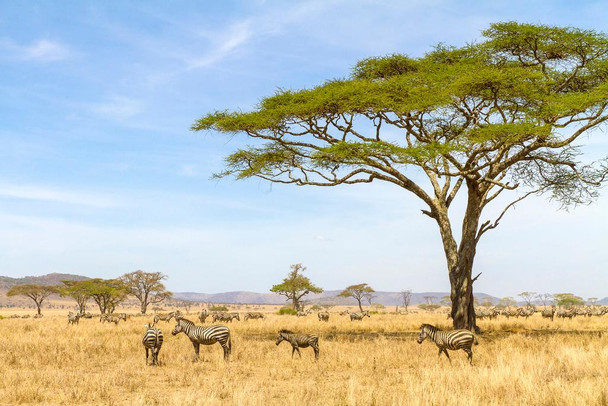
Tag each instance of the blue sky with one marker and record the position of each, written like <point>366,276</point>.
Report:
<point>100,174</point>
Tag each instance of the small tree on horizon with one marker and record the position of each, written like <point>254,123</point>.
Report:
<point>406,297</point>
<point>545,298</point>
<point>358,292</point>
<point>106,293</point>
<point>528,297</point>
<point>38,293</point>
<point>78,291</point>
<point>295,286</point>
<point>147,287</point>
<point>568,299</point>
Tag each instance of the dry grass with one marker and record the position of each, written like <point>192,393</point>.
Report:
<point>376,361</point>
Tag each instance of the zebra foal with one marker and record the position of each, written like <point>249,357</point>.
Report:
<point>298,341</point>
<point>152,341</point>
<point>449,340</point>
<point>204,335</point>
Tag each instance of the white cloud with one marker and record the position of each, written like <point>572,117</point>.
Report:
<point>42,50</point>
<point>118,108</point>
<point>226,43</point>
<point>41,193</point>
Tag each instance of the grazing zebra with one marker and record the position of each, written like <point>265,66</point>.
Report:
<point>254,315</point>
<point>303,314</point>
<point>86,315</point>
<point>165,317</point>
<point>323,316</point>
<point>359,316</point>
<point>204,335</point>
<point>345,312</point>
<point>298,341</point>
<point>203,315</point>
<point>111,319</point>
<point>153,340</point>
<point>121,316</point>
<point>449,340</point>
<point>73,318</point>
<point>226,317</point>
<point>549,313</point>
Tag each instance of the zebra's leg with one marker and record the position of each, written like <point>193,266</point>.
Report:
<point>196,348</point>
<point>298,350</point>
<point>226,351</point>
<point>146,355</point>
<point>469,354</point>
<point>316,350</point>
<point>293,349</point>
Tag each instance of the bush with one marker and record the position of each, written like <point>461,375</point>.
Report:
<point>316,308</point>
<point>218,308</point>
<point>429,307</point>
<point>287,310</point>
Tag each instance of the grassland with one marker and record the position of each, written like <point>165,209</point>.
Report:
<point>373,362</point>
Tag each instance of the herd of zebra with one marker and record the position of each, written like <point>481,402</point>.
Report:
<point>493,313</point>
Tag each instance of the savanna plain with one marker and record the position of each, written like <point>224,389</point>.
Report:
<point>376,361</point>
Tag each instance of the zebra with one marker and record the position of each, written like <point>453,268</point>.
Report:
<point>298,341</point>
<point>152,340</point>
<point>345,312</point>
<point>449,340</point>
<point>359,316</point>
<point>226,317</point>
<point>254,315</point>
<point>73,318</point>
<point>121,316</point>
<point>549,313</point>
<point>303,314</point>
<point>323,316</point>
<point>203,315</point>
<point>165,317</point>
<point>111,319</point>
<point>204,335</point>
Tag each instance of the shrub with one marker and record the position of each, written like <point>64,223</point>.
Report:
<point>429,307</point>
<point>287,310</point>
<point>218,308</point>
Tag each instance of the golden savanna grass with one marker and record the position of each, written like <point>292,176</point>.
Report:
<point>373,362</point>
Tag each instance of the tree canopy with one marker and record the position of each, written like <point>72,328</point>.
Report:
<point>106,293</point>
<point>78,290</point>
<point>296,286</point>
<point>38,293</point>
<point>504,114</point>
<point>146,287</point>
<point>358,292</point>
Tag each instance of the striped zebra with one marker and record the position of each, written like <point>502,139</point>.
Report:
<point>549,313</point>
<point>165,317</point>
<point>73,318</point>
<point>298,341</point>
<point>204,335</point>
<point>203,315</point>
<point>359,316</point>
<point>111,319</point>
<point>323,316</point>
<point>152,341</point>
<point>449,340</point>
<point>254,315</point>
<point>226,317</point>
<point>345,312</point>
<point>121,316</point>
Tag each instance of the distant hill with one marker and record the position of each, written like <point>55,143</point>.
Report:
<point>50,279</point>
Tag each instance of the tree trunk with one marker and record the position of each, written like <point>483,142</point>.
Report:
<point>360,307</point>
<point>144,307</point>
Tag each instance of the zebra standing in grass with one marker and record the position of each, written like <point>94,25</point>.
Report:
<point>298,341</point>
<point>165,317</point>
<point>449,340</point>
<point>254,315</point>
<point>152,341</point>
<point>323,316</point>
<point>203,315</point>
<point>73,318</point>
<point>359,316</point>
<point>549,313</point>
<point>204,335</point>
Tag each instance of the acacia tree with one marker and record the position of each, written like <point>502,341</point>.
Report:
<point>499,117</point>
<point>146,287</point>
<point>528,297</point>
<point>106,293</point>
<point>568,299</point>
<point>38,293</point>
<point>78,291</point>
<point>406,296</point>
<point>358,292</point>
<point>296,286</point>
<point>545,298</point>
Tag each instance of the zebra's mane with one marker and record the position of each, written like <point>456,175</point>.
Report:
<point>283,331</point>
<point>430,327</point>
<point>184,320</point>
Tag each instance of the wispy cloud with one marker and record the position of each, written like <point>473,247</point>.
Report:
<point>226,43</point>
<point>42,50</point>
<point>118,108</point>
<point>41,193</point>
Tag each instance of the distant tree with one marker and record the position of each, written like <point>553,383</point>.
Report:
<point>107,293</point>
<point>545,298</point>
<point>568,299</point>
<point>38,293</point>
<point>296,286</point>
<point>528,297</point>
<point>406,297</point>
<point>445,301</point>
<point>358,292</point>
<point>592,300</point>
<point>430,299</point>
<point>495,117</point>
<point>78,291</point>
<point>147,287</point>
<point>487,302</point>
<point>507,301</point>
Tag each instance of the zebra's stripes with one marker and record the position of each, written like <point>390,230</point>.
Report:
<point>165,317</point>
<point>203,315</point>
<point>549,314</point>
<point>359,316</point>
<point>226,317</point>
<point>449,340</point>
<point>152,341</point>
<point>204,335</point>
<point>298,341</point>
<point>254,315</point>
<point>73,318</point>
<point>323,316</point>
